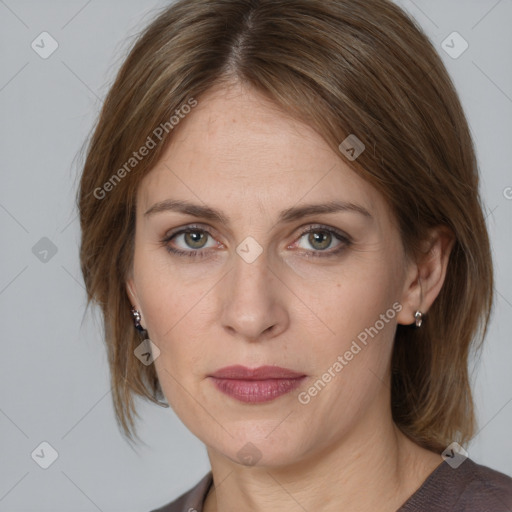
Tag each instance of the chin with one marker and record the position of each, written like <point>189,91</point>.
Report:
<point>255,447</point>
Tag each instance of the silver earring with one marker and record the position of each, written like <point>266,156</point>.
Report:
<point>419,318</point>
<point>137,319</point>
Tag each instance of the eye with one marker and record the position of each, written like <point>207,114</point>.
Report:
<point>321,239</point>
<point>189,242</point>
<point>192,241</point>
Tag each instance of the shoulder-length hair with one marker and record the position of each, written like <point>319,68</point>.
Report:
<point>343,67</point>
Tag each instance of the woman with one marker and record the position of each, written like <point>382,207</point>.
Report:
<point>282,197</point>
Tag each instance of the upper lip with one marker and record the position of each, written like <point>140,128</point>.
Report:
<point>260,373</point>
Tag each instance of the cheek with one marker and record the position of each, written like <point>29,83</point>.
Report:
<point>351,370</point>
<point>359,313</point>
<point>177,325</point>
<point>171,300</point>
<point>353,299</point>
<point>177,314</point>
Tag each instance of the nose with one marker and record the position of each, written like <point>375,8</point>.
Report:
<point>253,299</point>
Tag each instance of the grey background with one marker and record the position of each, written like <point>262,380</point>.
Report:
<point>53,373</point>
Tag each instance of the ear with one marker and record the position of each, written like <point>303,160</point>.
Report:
<point>132,294</point>
<point>425,276</point>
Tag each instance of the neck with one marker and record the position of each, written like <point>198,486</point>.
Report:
<point>368,469</point>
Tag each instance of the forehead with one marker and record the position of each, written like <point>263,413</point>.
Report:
<point>236,149</point>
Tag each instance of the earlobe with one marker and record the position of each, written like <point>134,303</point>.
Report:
<point>427,275</point>
<point>412,295</point>
<point>135,309</point>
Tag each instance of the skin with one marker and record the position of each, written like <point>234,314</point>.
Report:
<point>238,153</point>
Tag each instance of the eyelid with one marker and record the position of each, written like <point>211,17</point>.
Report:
<point>184,229</point>
<point>344,242</point>
<point>322,227</point>
<point>187,227</point>
<point>341,236</point>
<point>208,229</point>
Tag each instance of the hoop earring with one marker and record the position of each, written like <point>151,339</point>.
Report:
<point>137,319</point>
<point>418,316</point>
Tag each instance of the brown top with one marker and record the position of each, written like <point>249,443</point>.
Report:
<point>468,488</point>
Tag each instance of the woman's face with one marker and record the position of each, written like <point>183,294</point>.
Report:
<point>253,287</point>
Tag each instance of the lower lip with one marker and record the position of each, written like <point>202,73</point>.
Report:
<point>256,391</point>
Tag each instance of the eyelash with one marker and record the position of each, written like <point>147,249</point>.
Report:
<point>340,236</point>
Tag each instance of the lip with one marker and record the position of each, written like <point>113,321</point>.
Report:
<point>256,385</point>
<point>261,373</point>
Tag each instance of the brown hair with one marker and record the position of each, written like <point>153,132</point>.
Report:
<point>344,67</point>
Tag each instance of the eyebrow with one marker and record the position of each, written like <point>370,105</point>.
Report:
<point>288,215</point>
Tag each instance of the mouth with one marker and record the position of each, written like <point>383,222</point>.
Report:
<point>256,385</point>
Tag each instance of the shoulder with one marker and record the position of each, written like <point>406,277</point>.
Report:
<point>490,488</point>
<point>192,500</point>
<point>469,487</point>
